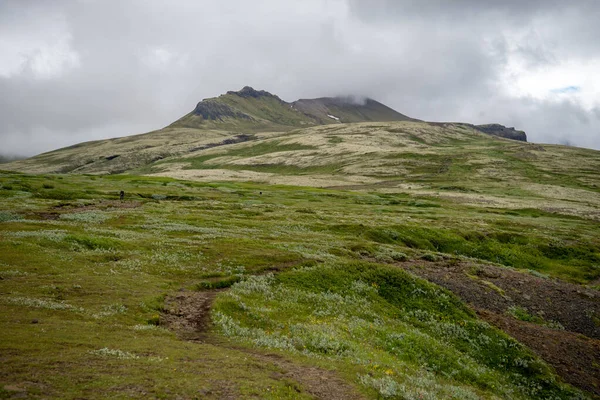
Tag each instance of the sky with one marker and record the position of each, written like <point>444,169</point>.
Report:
<point>79,70</point>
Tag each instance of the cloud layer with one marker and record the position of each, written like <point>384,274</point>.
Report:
<point>72,71</point>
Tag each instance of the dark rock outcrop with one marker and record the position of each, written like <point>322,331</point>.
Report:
<point>214,110</point>
<point>502,131</point>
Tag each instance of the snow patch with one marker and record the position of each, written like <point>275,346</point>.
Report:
<point>333,117</point>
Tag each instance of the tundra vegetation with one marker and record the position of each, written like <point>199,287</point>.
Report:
<point>315,277</point>
<point>265,249</point>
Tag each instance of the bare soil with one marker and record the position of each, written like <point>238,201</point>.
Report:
<point>188,314</point>
<point>318,382</point>
<point>575,357</point>
<point>100,205</point>
<point>55,212</point>
<point>491,290</point>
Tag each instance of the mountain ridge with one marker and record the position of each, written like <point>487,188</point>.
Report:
<point>249,115</point>
<point>251,109</point>
<point>256,110</point>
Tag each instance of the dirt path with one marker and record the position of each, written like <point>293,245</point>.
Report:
<point>188,314</point>
<point>318,382</point>
<point>574,352</point>
<point>102,204</point>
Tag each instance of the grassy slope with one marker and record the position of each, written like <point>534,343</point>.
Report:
<point>347,111</point>
<point>94,274</point>
<point>406,338</point>
<point>454,162</point>
<point>120,154</point>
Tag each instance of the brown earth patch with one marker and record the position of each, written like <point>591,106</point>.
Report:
<point>318,382</point>
<point>497,289</point>
<point>55,212</point>
<point>575,357</point>
<point>491,290</point>
<point>53,216</point>
<point>188,314</point>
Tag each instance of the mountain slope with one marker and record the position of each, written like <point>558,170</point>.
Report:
<point>325,237</point>
<point>245,110</point>
<point>327,110</point>
<point>120,154</point>
<point>323,296</point>
<point>454,161</point>
<point>252,109</point>
<point>234,117</point>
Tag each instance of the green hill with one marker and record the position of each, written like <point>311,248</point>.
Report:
<point>329,110</point>
<point>252,109</point>
<point>231,118</point>
<point>328,248</point>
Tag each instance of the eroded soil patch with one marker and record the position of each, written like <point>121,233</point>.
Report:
<point>188,314</point>
<point>318,382</point>
<point>56,211</point>
<point>100,205</point>
<point>493,291</point>
<point>575,357</point>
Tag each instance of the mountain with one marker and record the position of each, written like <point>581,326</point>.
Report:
<point>329,110</point>
<point>6,158</point>
<point>256,110</point>
<point>258,248</point>
<point>242,116</point>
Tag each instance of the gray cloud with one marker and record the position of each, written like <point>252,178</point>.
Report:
<point>75,71</point>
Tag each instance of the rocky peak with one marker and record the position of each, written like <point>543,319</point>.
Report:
<point>248,92</point>
<point>210,109</point>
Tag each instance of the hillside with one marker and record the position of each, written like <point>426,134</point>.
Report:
<point>333,294</point>
<point>264,249</point>
<point>234,117</point>
<point>252,109</point>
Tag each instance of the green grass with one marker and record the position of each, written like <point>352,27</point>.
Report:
<point>94,272</point>
<point>522,314</point>
<point>247,150</point>
<point>405,337</point>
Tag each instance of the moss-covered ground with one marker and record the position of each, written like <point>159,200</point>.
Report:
<point>84,276</point>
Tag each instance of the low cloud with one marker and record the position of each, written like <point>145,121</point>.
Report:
<point>66,78</point>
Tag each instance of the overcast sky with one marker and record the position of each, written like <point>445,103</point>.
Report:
<point>72,71</point>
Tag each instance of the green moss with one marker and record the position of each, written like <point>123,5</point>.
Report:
<point>96,277</point>
<point>396,326</point>
<point>94,243</point>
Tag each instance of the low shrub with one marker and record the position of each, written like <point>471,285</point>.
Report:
<point>408,336</point>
